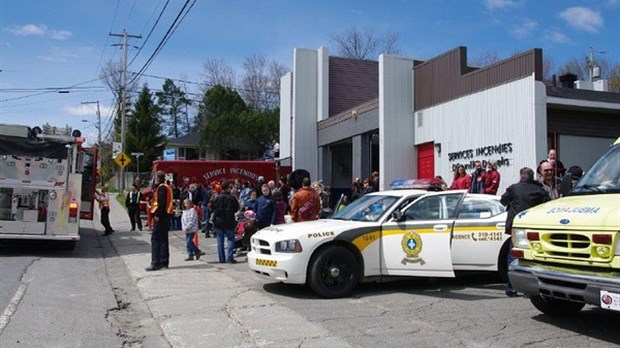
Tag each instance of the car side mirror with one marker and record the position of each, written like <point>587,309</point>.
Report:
<point>397,215</point>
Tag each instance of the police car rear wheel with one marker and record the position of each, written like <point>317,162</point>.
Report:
<point>555,307</point>
<point>334,272</point>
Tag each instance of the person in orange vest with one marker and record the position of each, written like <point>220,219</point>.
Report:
<point>162,210</point>
<point>103,198</point>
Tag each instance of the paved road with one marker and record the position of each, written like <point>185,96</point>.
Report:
<point>207,304</point>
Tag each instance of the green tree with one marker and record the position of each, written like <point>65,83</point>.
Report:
<point>144,131</point>
<point>173,104</point>
<point>260,129</point>
<point>219,117</point>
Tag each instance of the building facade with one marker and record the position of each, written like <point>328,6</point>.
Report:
<point>407,118</point>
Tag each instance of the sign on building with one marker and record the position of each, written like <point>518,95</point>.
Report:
<point>170,154</point>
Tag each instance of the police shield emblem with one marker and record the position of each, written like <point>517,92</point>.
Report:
<point>412,246</point>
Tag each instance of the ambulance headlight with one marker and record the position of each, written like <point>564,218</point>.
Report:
<point>52,195</point>
<point>519,238</point>
<point>288,246</point>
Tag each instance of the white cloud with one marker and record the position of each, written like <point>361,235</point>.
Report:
<point>525,29</point>
<point>497,4</point>
<point>59,55</point>
<point>28,30</point>
<point>557,36</point>
<point>583,18</point>
<point>81,110</point>
<point>61,34</point>
<point>39,30</point>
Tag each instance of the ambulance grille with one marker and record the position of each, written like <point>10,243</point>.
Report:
<point>573,245</point>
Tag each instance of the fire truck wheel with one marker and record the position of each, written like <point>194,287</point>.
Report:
<point>334,272</point>
<point>555,307</point>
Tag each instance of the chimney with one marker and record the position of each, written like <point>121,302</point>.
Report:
<point>568,80</point>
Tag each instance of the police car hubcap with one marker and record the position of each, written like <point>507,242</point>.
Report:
<point>334,272</point>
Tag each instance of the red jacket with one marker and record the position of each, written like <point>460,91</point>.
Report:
<point>461,183</point>
<point>491,182</point>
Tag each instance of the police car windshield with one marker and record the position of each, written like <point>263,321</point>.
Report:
<point>603,176</point>
<point>366,208</point>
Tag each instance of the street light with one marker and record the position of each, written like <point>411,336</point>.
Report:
<point>138,154</point>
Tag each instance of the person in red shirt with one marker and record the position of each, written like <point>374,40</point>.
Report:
<point>461,180</point>
<point>491,179</point>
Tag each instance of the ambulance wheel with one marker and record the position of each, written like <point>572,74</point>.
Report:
<point>334,272</point>
<point>555,307</point>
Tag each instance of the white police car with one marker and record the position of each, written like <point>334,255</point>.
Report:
<point>384,234</point>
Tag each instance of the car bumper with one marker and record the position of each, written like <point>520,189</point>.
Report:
<point>564,283</point>
<point>286,268</point>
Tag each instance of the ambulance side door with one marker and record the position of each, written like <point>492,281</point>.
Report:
<point>418,243</point>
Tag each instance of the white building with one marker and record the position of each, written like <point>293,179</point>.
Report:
<point>344,118</point>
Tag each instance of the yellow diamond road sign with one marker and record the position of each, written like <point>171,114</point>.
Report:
<point>122,160</point>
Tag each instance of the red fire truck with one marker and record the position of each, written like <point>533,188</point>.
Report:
<point>195,171</point>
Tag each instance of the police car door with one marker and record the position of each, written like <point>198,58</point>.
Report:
<point>418,243</point>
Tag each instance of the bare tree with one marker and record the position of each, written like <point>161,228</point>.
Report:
<point>485,59</point>
<point>260,86</point>
<point>112,75</point>
<point>364,43</point>
<point>217,72</point>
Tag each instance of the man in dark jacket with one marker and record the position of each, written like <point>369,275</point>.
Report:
<point>162,209</point>
<point>224,208</point>
<point>132,202</point>
<point>517,198</point>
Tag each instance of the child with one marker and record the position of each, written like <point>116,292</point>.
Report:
<point>280,207</point>
<point>189,224</point>
<point>250,227</point>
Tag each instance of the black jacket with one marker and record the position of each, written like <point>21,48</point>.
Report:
<point>224,208</point>
<point>521,196</point>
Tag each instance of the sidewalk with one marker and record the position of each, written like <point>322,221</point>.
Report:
<point>204,303</point>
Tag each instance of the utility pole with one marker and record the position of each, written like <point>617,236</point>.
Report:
<point>125,37</point>
<point>98,121</point>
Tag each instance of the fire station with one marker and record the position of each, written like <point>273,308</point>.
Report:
<point>343,118</point>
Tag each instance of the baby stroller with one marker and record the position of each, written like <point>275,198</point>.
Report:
<point>246,227</point>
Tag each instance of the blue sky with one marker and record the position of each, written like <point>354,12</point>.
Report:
<point>45,44</point>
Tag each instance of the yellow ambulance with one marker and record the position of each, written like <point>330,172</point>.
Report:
<point>568,249</point>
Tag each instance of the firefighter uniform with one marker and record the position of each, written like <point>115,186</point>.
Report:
<point>162,210</point>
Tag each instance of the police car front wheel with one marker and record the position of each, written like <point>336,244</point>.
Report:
<point>334,272</point>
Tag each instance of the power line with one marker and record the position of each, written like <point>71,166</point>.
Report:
<point>177,21</point>
<point>150,32</point>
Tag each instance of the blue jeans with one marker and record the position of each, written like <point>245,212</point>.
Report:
<point>510,259</point>
<point>230,245</point>
<point>191,247</point>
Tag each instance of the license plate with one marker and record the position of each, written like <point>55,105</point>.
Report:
<point>610,300</point>
<point>267,263</point>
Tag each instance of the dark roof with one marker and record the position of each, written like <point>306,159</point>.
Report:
<point>189,140</point>
<point>583,94</point>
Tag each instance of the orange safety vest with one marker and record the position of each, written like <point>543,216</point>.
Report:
<point>169,202</point>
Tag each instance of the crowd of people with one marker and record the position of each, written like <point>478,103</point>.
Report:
<point>232,211</point>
